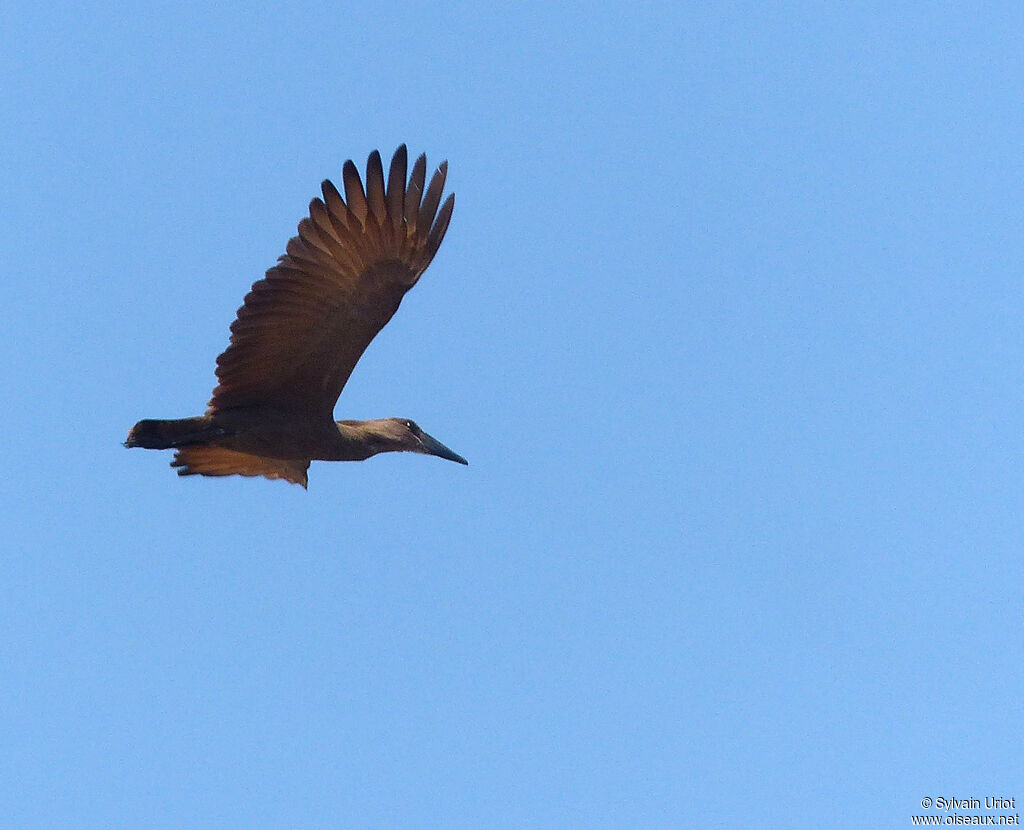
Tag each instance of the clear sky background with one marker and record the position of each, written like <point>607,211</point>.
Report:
<point>727,323</point>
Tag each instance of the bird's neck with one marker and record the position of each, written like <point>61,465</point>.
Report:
<point>350,443</point>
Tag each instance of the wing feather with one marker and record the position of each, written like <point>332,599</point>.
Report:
<point>396,190</point>
<point>414,193</point>
<point>303,327</point>
<point>440,227</point>
<point>431,200</point>
<point>337,210</point>
<point>216,461</point>
<point>354,196</point>
<point>375,187</point>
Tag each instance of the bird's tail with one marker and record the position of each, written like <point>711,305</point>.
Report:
<point>164,435</point>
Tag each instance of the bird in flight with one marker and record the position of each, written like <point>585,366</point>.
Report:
<point>303,327</point>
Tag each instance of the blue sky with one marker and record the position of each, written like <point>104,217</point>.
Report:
<point>727,323</point>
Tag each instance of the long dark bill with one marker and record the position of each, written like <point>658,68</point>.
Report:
<point>434,447</point>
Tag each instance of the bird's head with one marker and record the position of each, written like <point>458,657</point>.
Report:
<point>398,435</point>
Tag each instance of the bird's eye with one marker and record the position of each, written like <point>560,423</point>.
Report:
<point>409,425</point>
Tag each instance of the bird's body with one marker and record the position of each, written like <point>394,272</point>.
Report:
<point>305,325</point>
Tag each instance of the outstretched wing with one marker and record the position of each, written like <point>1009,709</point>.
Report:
<point>304,326</point>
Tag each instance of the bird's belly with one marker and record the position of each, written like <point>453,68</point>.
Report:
<point>274,435</point>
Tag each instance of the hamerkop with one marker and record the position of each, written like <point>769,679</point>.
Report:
<point>303,328</point>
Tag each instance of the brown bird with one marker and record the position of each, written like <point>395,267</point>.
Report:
<point>303,328</point>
